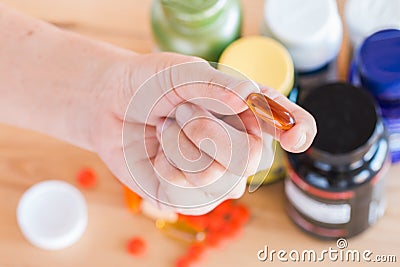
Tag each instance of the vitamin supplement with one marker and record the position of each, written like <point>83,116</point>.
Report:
<point>87,178</point>
<point>376,67</point>
<point>132,200</point>
<point>270,111</point>
<point>336,188</point>
<point>365,17</point>
<point>197,28</point>
<point>136,246</point>
<point>196,251</point>
<point>180,231</point>
<point>267,62</point>
<point>183,261</point>
<point>214,228</point>
<point>241,214</point>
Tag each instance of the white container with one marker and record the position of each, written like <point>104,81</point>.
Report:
<point>365,17</point>
<point>310,29</point>
<point>52,215</point>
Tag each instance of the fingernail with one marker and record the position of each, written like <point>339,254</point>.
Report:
<point>301,142</point>
<point>184,113</point>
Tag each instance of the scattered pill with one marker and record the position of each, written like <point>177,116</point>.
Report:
<point>196,251</point>
<point>136,246</point>
<point>86,178</point>
<point>132,200</point>
<point>183,261</point>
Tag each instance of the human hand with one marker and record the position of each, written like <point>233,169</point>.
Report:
<point>190,151</point>
<point>189,139</point>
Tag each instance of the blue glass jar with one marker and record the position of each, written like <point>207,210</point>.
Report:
<point>376,67</point>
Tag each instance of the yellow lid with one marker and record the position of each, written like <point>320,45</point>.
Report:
<point>263,60</point>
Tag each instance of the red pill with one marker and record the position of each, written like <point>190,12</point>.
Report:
<point>218,220</point>
<point>196,251</point>
<point>183,262</point>
<point>224,207</point>
<point>214,239</point>
<point>136,246</point>
<point>241,214</point>
<point>197,222</point>
<point>86,178</point>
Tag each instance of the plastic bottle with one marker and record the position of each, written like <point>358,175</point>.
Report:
<point>267,62</point>
<point>198,28</point>
<point>365,17</point>
<point>311,31</point>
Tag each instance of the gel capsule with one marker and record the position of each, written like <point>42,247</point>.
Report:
<point>270,111</point>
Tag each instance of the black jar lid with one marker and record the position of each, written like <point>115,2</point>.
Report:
<point>347,122</point>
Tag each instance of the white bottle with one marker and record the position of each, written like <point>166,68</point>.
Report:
<point>365,17</point>
<point>310,29</point>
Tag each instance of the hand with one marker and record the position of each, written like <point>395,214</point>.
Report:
<point>190,140</point>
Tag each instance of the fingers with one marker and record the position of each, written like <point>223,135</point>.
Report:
<point>176,192</point>
<point>198,168</point>
<point>184,155</point>
<point>182,78</point>
<point>199,83</point>
<point>300,137</point>
<point>237,151</point>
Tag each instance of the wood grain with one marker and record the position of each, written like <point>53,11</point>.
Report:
<point>27,158</point>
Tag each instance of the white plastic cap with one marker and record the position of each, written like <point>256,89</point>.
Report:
<point>52,215</point>
<point>365,17</point>
<point>311,30</point>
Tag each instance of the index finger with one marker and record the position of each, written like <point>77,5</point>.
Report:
<point>300,137</point>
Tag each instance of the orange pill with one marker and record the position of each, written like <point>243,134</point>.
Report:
<point>183,261</point>
<point>132,200</point>
<point>86,178</point>
<point>270,111</point>
<point>241,214</point>
<point>136,246</point>
<point>224,207</point>
<point>196,251</point>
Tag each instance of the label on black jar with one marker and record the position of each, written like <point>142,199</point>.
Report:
<point>318,211</point>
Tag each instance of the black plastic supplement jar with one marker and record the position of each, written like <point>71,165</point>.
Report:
<point>336,188</point>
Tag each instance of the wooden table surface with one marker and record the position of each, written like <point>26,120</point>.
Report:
<point>27,158</point>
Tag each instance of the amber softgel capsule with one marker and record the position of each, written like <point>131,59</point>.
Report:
<point>270,111</point>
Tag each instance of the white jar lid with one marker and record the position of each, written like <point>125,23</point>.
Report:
<point>311,30</point>
<point>52,215</point>
<point>365,17</point>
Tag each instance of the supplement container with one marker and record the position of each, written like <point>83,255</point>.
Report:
<point>266,62</point>
<point>199,27</point>
<point>336,188</point>
<point>376,67</point>
<point>365,17</point>
<point>311,31</point>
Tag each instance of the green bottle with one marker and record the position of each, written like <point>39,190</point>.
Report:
<point>202,28</point>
